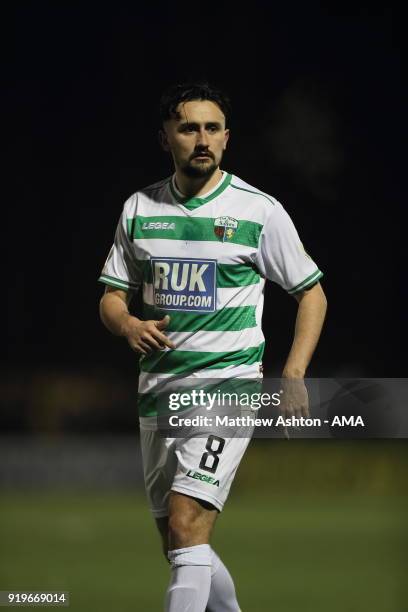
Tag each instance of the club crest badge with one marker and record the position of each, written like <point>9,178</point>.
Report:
<point>225,228</point>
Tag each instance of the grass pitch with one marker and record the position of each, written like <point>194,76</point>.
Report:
<point>286,553</point>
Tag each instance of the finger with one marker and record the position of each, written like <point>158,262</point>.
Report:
<point>285,432</point>
<point>305,411</point>
<point>136,346</point>
<point>163,323</point>
<point>138,349</point>
<point>143,347</point>
<point>151,342</point>
<point>298,412</point>
<point>289,412</point>
<point>162,338</point>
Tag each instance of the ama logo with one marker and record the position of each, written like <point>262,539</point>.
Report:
<point>184,284</point>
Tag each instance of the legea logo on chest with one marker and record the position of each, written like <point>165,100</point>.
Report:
<point>184,284</point>
<point>158,225</point>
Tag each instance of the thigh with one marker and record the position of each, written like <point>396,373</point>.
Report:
<point>159,468</point>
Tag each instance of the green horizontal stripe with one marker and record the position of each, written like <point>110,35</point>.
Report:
<point>236,275</point>
<point>147,404</point>
<point>228,275</point>
<point>157,403</point>
<point>225,319</point>
<point>185,362</point>
<point>309,280</point>
<point>116,282</point>
<point>192,229</point>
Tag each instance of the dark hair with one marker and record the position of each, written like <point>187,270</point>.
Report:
<point>186,92</point>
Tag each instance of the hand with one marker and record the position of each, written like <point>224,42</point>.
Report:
<point>294,400</point>
<point>147,336</point>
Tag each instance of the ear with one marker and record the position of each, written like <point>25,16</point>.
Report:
<point>226,138</point>
<point>164,143</point>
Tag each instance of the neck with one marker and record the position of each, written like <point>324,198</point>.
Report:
<point>194,187</point>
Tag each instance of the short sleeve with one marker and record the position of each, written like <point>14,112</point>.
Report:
<point>281,257</point>
<point>121,269</point>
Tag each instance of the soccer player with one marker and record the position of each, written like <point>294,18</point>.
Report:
<point>202,243</point>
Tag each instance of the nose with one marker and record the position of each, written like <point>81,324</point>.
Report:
<point>202,138</point>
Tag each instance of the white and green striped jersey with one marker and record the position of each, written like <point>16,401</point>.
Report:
<point>204,261</point>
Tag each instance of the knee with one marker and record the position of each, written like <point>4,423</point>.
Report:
<point>181,530</point>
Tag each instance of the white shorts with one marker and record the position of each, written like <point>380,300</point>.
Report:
<point>202,467</point>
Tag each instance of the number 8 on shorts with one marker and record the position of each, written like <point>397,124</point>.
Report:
<point>210,459</point>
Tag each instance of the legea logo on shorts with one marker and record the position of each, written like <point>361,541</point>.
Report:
<point>184,284</point>
<point>203,478</point>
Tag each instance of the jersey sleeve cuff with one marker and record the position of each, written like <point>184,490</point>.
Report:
<point>117,282</point>
<point>310,280</point>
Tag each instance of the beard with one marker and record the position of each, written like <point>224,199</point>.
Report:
<point>199,169</point>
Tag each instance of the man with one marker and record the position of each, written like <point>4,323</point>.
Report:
<point>202,243</point>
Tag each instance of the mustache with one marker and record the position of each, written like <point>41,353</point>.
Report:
<point>200,153</point>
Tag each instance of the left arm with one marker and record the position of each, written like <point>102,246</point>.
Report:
<point>282,259</point>
<point>309,322</point>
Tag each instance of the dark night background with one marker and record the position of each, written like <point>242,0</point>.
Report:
<point>319,101</point>
<point>318,122</point>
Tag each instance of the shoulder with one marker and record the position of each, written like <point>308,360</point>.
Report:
<point>261,206</point>
<point>149,189</point>
<point>253,192</point>
<point>152,193</point>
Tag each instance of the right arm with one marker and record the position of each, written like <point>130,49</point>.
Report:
<point>142,336</point>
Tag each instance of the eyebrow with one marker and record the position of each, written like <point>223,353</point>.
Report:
<point>195,124</point>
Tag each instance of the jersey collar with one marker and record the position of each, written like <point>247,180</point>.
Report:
<point>192,203</point>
